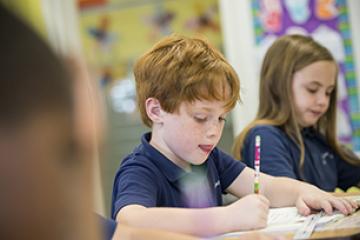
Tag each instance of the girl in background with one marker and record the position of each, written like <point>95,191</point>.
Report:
<point>296,119</point>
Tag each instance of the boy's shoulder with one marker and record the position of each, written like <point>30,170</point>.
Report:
<point>139,168</point>
<point>147,160</point>
<point>142,155</point>
<point>137,157</point>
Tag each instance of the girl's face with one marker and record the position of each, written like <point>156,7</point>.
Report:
<point>189,135</point>
<point>311,88</point>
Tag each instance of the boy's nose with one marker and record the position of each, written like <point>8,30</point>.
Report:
<point>214,129</point>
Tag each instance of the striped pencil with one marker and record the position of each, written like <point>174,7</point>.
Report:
<point>257,164</point>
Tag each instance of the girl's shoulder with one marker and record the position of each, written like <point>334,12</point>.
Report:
<point>269,133</point>
<point>270,130</point>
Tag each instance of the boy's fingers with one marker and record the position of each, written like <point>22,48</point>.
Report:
<point>264,199</point>
<point>265,218</point>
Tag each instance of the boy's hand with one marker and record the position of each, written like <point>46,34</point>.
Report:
<point>318,199</point>
<point>250,212</point>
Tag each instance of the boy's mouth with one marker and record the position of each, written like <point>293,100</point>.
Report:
<point>206,148</point>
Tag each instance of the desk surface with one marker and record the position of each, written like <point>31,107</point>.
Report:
<point>335,233</point>
<point>338,232</point>
<point>322,234</point>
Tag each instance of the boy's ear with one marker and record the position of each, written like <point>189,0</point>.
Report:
<point>154,110</point>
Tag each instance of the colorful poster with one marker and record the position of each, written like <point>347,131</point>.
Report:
<point>116,32</point>
<point>327,22</point>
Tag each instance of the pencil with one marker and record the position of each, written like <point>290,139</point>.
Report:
<point>257,164</point>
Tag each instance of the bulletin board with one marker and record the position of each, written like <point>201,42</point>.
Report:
<point>327,21</point>
<point>116,32</point>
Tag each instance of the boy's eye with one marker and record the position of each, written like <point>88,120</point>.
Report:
<point>222,119</point>
<point>200,119</point>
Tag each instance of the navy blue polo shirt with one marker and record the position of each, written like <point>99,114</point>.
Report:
<point>146,177</point>
<point>280,157</point>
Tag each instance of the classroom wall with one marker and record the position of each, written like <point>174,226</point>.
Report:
<point>61,25</point>
<point>240,51</point>
<point>30,11</point>
<point>239,48</point>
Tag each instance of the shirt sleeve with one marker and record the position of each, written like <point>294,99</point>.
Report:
<point>228,168</point>
<point>134,184</point>
<point>275,156</point>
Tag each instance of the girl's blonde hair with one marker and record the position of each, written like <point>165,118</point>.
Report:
<point>287,55</point>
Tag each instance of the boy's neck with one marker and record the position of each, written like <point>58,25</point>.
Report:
<point>158,144</point>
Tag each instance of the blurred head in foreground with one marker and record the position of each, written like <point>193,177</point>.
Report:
<point>43,173</point>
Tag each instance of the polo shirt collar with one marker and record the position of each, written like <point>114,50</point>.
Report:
<point>308,132</point>
<point>167,167</point>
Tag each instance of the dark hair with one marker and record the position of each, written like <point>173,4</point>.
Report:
<point>34,83</point>
<point>33,78</point>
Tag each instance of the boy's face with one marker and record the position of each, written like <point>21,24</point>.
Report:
<point>189,135</point>
<point>311,88</point>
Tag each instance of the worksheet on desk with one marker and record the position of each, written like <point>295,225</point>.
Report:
<point>285,219</point>
<point>288,219</point>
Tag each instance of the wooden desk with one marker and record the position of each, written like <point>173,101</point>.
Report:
<point>339,232</point>
<point>335,233</point>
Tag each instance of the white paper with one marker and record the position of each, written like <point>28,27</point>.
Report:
<point>288,219</point>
